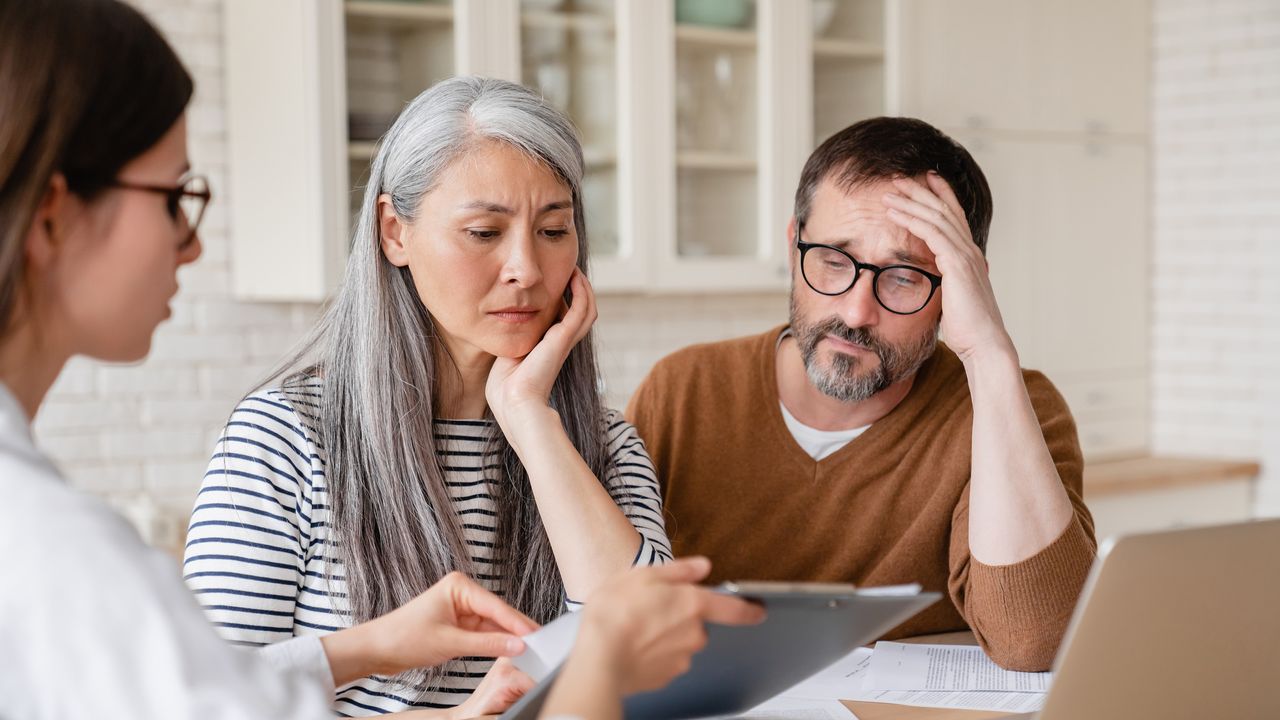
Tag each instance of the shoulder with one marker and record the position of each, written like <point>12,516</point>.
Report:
<point>1041,389</point>
<point>744,351</point>
<point>270,443</point>
<point>295,402</point>
<point>710,366</point>
<point>1050,405</point>
<point>287,415</point>
<point>623,438</point>
<point>68,526</point>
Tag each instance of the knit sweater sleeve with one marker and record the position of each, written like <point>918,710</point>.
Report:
<point>1019,612</point>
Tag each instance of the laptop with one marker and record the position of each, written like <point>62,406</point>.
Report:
<point>1175,624</point>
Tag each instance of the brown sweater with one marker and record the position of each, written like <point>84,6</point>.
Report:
<point>890,507</point>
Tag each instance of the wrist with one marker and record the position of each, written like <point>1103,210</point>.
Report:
<point>606,660</point>
<point>523,419</point>
<point>349,654</point>
<point>1000,354</point>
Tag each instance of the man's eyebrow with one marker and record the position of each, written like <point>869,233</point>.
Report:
<point>909,257</point>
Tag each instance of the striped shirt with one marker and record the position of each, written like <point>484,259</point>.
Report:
<point>259,543</point>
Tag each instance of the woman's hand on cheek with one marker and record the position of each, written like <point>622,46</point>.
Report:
<point>519,388</point>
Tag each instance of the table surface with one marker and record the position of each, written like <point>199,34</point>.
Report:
<point>886,711</point>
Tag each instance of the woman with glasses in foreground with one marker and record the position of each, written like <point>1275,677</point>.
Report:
<point>97,213</point>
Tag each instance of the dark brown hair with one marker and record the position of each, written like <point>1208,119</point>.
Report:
<point>85,87</point>
<point>890,147</point>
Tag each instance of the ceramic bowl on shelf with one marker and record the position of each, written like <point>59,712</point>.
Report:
<point>541,5</point>
<point>824,11</point>
<point>715,13</point>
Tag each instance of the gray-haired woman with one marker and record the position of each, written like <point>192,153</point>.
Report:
<point>444,415</point>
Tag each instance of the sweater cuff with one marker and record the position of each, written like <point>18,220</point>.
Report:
<point>303,655</point>
<point>1044,586</point>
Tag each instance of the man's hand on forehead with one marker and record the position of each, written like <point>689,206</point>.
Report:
<point>929,210</point>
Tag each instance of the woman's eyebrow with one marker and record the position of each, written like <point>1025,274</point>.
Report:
<point>488,207</point>
<point>558,205</point>
<point>494,207</point>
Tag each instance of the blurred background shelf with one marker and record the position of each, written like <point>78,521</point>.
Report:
<point>690,160</point>
<point>847,50</point>
<point>402,12</point>
<point>715,37</point>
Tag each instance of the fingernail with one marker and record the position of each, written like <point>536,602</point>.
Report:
<point>514,646</point>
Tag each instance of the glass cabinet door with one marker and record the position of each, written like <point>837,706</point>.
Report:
<point>715,128</point>
<point>395,49</point>
<point>848,64</point>
<point>568,53</point>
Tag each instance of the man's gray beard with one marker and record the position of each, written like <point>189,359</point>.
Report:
<point>842,381</point>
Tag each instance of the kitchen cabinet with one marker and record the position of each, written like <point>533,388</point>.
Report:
<point>1048,66</point>
<point>694,131</point>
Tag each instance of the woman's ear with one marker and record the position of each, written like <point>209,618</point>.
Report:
<point>48,226</point>
<point>392,232</point>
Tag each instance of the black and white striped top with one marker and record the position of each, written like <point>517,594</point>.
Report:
<point>259,537</point>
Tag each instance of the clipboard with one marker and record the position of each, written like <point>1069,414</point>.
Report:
<point>809,626</point>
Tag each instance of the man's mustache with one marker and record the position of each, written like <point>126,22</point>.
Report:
<point>855,336</point>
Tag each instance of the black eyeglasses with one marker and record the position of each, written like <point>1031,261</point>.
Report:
<point>185,202</point>
<point>900,289</point>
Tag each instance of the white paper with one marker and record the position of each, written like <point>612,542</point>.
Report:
<point>548,646</point>
<point>842,680</point>
<point>1016,702</point>
<point>903,666</point>
<point>846,678</point>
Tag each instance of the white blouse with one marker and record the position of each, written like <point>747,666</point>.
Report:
<point>93,623</point>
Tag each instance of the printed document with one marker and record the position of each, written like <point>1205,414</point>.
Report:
<point>903,666</point>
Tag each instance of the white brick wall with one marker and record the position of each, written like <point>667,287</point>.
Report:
<point>1216,256</point>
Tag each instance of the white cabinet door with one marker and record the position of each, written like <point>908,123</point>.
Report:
<point>1012,242</point>
<point>1092,275</point>
<point>287,166</point>
<point>1068,257</point>
<point>1049,65</point>
<point>1068,249</point>
<point>1090,65</point>
<point>966,64</point>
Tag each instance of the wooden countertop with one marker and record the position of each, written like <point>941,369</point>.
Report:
<point>1111,477</point>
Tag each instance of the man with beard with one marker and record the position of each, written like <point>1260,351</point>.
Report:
<point>851,445</point>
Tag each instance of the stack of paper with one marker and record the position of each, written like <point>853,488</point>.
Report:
<point>950,676</point>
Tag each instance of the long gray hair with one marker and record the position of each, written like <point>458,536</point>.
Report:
<point>380,360</point>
